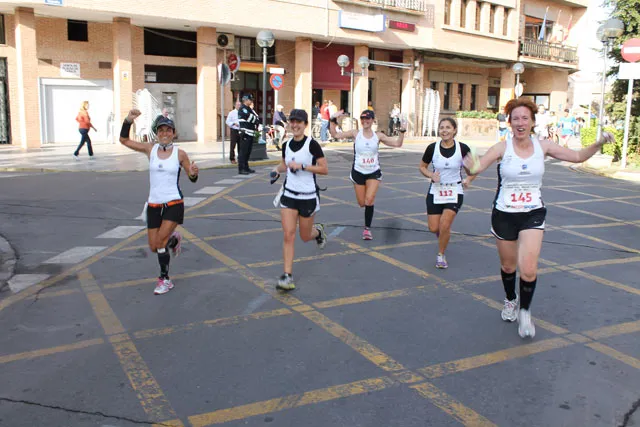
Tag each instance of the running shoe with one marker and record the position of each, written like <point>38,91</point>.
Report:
<point>510,310</point>
<point>441,261</point>
<point>366,234</point>
<point>525,324</point>
<point>322,236</point>
<point>177,249</point>
<point>92,158</point>
<point>76,158</point>
<point>285,282</point>
<point>163,286</point>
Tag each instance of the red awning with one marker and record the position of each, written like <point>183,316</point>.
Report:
<point>326,72</point>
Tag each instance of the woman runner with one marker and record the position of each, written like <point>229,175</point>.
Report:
<point>518,217</point>
<point>302,159</point>
<point>165,208</point>
<point>365,173</point>
<point>446,192</point>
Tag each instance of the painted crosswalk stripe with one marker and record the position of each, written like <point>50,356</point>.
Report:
<point>192,201</point>
<point>228,181</point>
<point>21,282</point>
<point>241,176</point>
<point>75,255</point>
<point>209,190</point>
<point>121,232</point>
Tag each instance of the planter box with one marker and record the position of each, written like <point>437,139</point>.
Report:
<point>477,127</point>
<point>599,161</point>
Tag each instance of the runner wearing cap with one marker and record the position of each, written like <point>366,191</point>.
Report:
<point>365,173</point>
<point>165,206</point>
<point>302,159</point>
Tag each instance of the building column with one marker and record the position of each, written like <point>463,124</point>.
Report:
<point>27,79</point>
<point>507,86</point>
<point>122,70</point>
<point>470,12</point>
<point>454,13</point>
<point>303,76</point>
<point>467,97</point>
<point>485,17</point>
<point>455,100</point>
<point>498,21</point>
<point>407,97</point>
<point>207,85</point>
<point>360,83</point>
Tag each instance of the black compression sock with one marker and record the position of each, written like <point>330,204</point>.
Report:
<point>509,283</point>
<point>368,216</point>
<point>526,292</point>
<point>163,259</point>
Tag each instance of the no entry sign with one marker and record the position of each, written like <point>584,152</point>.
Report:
<point>631,50</point>
<point>277,81</point>
<point>233,62</point>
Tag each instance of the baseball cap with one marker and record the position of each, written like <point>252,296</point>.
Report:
<point>247,96</point>
<point>300,115</point>
<point>367,114</point>
<point>164,121</point>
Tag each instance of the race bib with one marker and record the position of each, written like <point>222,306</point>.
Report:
<point>523,197</point>
<point>367,161</point>
<point>445,193</point>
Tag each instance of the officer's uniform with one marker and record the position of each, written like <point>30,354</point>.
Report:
<point>249,122</point>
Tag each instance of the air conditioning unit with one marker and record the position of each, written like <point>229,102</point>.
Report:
<point>226,40</point>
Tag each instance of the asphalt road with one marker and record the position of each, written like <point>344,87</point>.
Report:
<point>374,335</point>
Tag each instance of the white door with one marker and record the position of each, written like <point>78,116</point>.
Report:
<point>62,101</point>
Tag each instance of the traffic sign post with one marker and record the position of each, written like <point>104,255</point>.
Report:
<point>224,75</point>
<point>233,61</point>
<point>276,81</point>
<point>630,52</point>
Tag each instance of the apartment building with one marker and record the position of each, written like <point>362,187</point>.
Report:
<point>54,54</point>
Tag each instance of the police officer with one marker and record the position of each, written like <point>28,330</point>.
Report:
<point>249,122</point>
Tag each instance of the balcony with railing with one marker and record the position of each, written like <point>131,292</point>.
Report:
<point>415,6</point>
<point>545,51</point>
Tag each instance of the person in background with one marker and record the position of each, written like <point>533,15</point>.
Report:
<point>370,106</point>
<point>394,119</point>
<point>249,122</point>
<point>234,126</point>
<point>315,111</point>
<point>280,124</point>
<point>567,126</point>
<point>84,125</point>
<point>324,117</point>
<point>541,128</point>
<point>503,129</point>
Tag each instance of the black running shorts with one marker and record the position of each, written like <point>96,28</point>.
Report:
<point>174,213</point>
<point>507,225</point>
<point>361,178</point>
<point>433,209</point>
<point>305,207</point>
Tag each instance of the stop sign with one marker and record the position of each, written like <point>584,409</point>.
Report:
<point>631,50</point>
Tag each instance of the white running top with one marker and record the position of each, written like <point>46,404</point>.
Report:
<point>450,168</point>
<point>365,153</point>
<point>300,181</point>
<point>164,176</point>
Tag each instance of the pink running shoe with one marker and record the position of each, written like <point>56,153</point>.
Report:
<point>177,249</point>
<point>366,234</point>
<point>163,286</point>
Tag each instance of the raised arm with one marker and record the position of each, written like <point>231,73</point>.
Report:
<point>392,142</point>
<point>568,155</point>
<point>190,167</point>
<point>475,165</point>
<point>333,128</point>
<point>124,134</point>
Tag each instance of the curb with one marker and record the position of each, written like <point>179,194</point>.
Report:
<point>7,261</point>
<point>591,171</point>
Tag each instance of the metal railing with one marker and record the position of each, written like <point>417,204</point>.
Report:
<point>417,5</point>
<point>548,51</point>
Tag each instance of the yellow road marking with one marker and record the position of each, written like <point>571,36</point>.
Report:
<point>301,259</point>
<point>613,330</point>
<point>154,279</point>
<point>448,404</point>
<point>604,242</point>
<point>612,352</point>
<point>608,218</point>
<point>49,351</point>
<point>223,193</point>
<point>606,282</point>
<point>374,296</point>
<point>151,397</point>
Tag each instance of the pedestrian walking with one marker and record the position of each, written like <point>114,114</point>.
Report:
<point>234,126</point>
<point>84,125</point>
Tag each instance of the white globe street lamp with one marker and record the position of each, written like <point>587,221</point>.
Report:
<point>607,33</point>
<point>518,68</point>
<point>343,62</point>
<point>265,40</point>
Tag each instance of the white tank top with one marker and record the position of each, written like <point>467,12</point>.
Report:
<point>164,176</point>
<point>302,182</point>
<point>520,180</point>
<point>365,153</point>
<point>450,168</point>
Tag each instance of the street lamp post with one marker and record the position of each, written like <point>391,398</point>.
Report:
<point>343,61</point>
<point>265,40</point>
<point>607,33</point>
<point>518,68</point>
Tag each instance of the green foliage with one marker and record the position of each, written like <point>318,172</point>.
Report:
<point>476,114</point>
<point>588,137</point>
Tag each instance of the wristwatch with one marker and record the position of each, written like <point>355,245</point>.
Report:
<point>302,166</point>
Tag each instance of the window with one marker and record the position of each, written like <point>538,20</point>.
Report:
<point>492,17</point>
<point>474,96</point>
<point>461,96</point>
<point>372,58</point>
<point>434,85</point>
<point>447,12</point>
<point>478,15</point>
<point>446,105</point>
<point>505,21</point>
<point>3,39</point>
<point>533,28</point>
<point>248,50</point>
<point>492,98</point>
<point>463,13</point>
<point>77,31</point>
<point>180,44</point>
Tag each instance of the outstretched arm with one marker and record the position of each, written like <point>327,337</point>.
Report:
<point>568,155</point>
<point>333,128</point>
<point>392,142</point>
<point>124,134</point>
<point>190,167</point>
<point>475,165</point>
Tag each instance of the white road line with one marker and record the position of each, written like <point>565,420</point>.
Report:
<point>228,181</point>
<point>209,190</point>
<point>241,176</point>
<point>75,255</point>
<point>121,232</point>
<point>192,201</point>
<point>337,231</point>
<point>256,303</point>
<point>20,282</point>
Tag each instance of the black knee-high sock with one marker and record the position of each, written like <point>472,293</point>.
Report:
<point>172,243</point>
<point>509,283</point>
<point>163,259</point>
<point>526,292</point>
<point>368,216</point>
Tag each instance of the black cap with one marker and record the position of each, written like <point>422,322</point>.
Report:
<point>247,96</point>
<point>367,114</point>
<point>300,115</point>
<point>164,121</point>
